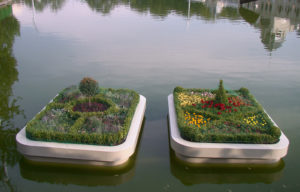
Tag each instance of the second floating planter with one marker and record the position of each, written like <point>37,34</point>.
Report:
<point>85,125</point>
<point>219,126</point>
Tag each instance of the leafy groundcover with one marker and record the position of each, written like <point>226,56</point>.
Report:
<point>103,119</point>
<point>239,118</point>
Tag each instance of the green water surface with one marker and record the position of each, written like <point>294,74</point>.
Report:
<point>150,46</point>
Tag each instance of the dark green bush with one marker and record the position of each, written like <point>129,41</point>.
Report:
<point>88,86</point>
<point>221,94</point>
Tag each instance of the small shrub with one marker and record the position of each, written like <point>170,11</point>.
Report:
<point>178,89</point>
<point>221,94</point>
<point>88,87</point>
<point>244,91</point>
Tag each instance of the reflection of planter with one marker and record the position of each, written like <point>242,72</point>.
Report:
<point>83,153</point>
<point>195,152</point>
<point>5,2</point>
<point>189,174</point>
<point>75,175</point>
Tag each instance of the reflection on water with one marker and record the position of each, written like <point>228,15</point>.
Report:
<point>224,174</point>
<point>80,174</point>
<point>9,28</point>
<point>103,6</point>
<point>274,18</point>
<point>40,5</point>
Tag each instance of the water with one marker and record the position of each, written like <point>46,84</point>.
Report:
<point>149,46</point>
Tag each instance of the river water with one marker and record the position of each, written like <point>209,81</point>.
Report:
<point>150,46</point>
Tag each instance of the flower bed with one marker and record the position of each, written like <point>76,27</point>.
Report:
<point>70,118</point>
<point>240,119</point>
<point>219,126</point>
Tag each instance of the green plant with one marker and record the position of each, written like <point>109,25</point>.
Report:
<point>244,91</point>
<point>68,94</point>
<point>59,123</point>
<point>221,94</point>
<point>88,87</point>
<point>241,120</point>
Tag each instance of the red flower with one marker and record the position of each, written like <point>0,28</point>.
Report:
<point>219,113</point>
<point>194,104</point>
<point>235,110</point>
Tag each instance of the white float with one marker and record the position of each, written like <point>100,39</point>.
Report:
<point>196,152</point>
<point>84,153</point>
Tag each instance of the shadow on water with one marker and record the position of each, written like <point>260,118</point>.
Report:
<point>190,174</point>
<point>80,174</point>
<point>9,109</point>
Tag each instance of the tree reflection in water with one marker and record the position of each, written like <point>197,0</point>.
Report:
<point>274,19</point>
<point>40,5</point>
<point>9,28</point>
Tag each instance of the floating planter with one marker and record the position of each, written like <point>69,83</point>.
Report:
<point>85,124</point>
<point>223,126</point>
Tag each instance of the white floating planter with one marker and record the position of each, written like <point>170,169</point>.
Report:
<point>196,152</point>
<point>84,153</point>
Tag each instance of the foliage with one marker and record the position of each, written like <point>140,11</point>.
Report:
<point>60,123</point>
<point>88,86</point>
<point>9,29</point>
<point>221,94</point>
<point>68,94</point>
<point>202,118</point>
